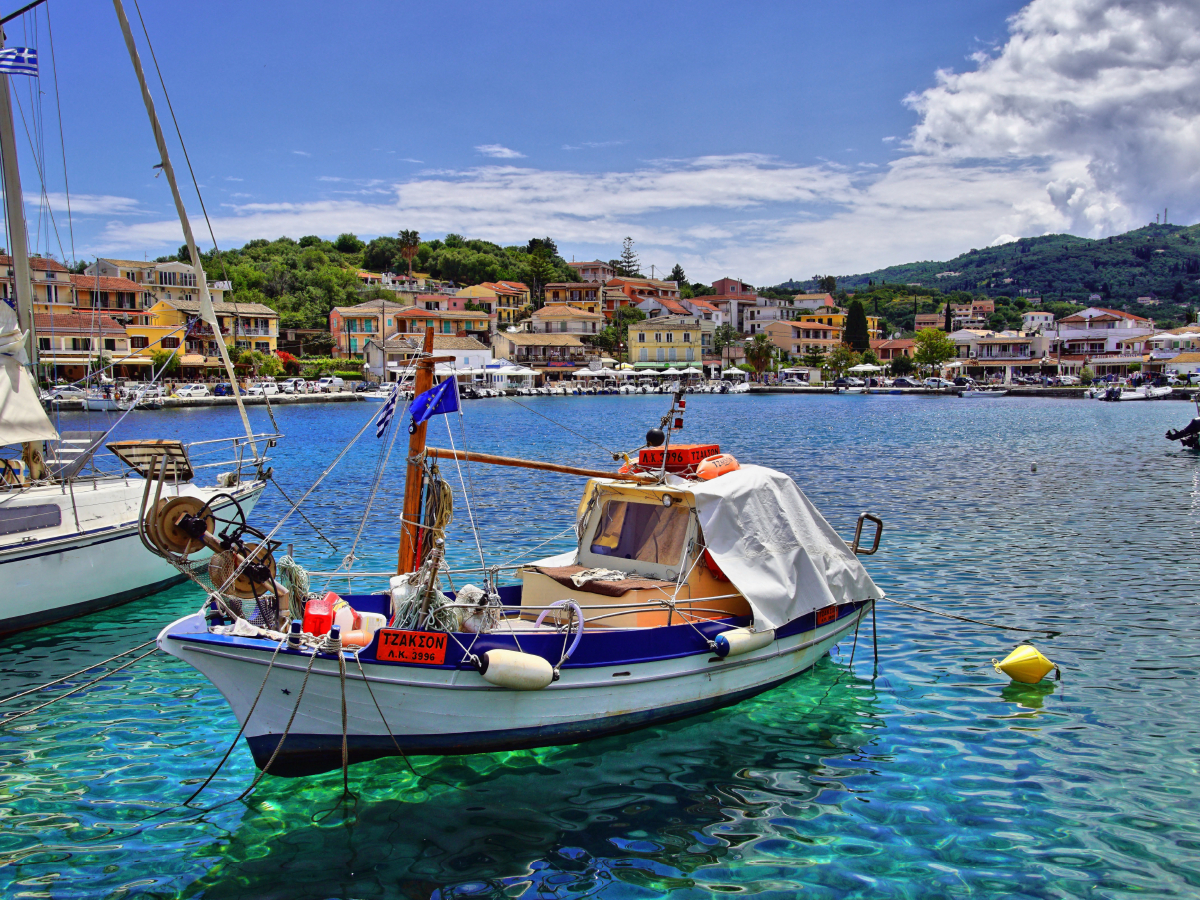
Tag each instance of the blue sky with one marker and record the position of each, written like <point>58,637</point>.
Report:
<point>765,141</point>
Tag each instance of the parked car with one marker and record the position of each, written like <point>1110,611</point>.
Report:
<point>262,389</point>
<point>192,390</point>
<point>901,381</point>
<point>841,382</point>
<point>64,392</point>
<point>293,386</point>
<point>964,381</point>
<point>938,383</point>
<point>1068,379</point>
<point>792,382</point>
<point>330,384</point>
<point>222,389</point>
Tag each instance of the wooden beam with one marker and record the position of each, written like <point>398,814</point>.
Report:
<point>414,479</point>
<point>442,453</point>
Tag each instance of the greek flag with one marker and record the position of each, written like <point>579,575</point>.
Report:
<point>385,414</point>
<point>18,61</point>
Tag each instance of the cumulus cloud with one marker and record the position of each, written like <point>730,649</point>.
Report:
<point>94,204</point>
<point>1086,119</point>
<point>499,151</point>
<point>1109,86</point>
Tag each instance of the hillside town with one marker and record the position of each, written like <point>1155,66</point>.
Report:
<point>119,313</point>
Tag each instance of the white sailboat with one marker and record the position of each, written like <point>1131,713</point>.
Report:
<point>69,540</point>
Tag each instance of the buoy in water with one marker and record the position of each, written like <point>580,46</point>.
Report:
<point>1026,665</point>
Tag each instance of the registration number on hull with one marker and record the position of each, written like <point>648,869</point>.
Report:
<point>425,648</point>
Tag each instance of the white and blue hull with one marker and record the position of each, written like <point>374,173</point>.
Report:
<point>454,710</point>
<point>94,559</point>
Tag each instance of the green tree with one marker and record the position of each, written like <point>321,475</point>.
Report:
<point>841,358</point>
<point>814,358</point>
<point>723,336</point>
<point>629,265</point>
<point>902,365</point>
<point>933,348</point>
<point>857,334</point>
<point>826,283</point>
<point>348,243</point>
<point>759,352</point>
<point>677,276</point>
<point>869,357</point>
<point>167,358</point>
<point>539,272</point>
<point>409,242</point>
<point>616,334</point>
<point>1086,375</point>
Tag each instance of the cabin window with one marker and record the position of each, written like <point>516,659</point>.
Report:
<point>642,531</point>
<point>28,518</point>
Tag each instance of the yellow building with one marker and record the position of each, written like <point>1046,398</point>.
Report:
<point>837,321</point>
<point>504,299</point>
<point>664,342</point>
<point>583,295</point>
<point>168,323</point>
<point>51,285</point>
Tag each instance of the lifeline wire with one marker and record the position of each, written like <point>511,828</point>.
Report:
<point>613,454</point>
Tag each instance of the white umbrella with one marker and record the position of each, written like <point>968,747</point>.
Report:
<point>691,370</point>
<point>866,367</point>
<point>670,371</point>
<point>732,371</point>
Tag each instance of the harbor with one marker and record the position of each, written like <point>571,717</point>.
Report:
<point>553,539</point>
<point>935,764</point>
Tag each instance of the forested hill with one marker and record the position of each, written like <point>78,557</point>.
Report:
<point>1162,261</point>
<point>303,280</point>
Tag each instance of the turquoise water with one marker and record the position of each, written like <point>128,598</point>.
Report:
<point>937,778</point>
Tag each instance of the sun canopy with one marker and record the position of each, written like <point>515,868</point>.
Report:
<point>866,367</point>
<point>775,547</point>
<point>733,371</point>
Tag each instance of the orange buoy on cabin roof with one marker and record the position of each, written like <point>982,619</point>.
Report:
<point>716,466</point>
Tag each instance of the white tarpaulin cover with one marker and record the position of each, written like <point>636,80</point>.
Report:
<point>21,415</point>
<point>775,546</point>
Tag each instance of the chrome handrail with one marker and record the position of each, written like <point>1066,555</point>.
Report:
<point>867,517</point>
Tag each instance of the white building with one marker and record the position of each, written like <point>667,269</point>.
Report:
<point>389,360</point>
<point>163,281</point>
<point>1036,319</point>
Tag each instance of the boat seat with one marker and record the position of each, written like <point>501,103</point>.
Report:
<point>564,575</point>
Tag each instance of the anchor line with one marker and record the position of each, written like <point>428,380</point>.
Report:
<point>34,709</point>
<point>80,672</point>
<point>946,615</point>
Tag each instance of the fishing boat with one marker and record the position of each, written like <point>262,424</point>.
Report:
<point>695,582</point>
<point>978,393</point>
<point>1124,393</point>
<point>69,525</point>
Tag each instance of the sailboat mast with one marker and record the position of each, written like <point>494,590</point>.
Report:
<point>207,313</point>
<point>14,208</point>
<point>410,528</point>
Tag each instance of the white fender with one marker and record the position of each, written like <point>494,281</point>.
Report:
<point>518,671</point>
<point>742,640</point>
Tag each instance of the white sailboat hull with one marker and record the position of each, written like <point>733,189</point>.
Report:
<point>98,561</point>
<point>452,711</point>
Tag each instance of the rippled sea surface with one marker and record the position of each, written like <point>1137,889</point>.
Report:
<point>935,777</point>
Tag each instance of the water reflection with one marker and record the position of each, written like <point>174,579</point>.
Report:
<point>660,809</point>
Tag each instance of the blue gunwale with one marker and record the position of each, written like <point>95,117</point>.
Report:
<point>609,647</point>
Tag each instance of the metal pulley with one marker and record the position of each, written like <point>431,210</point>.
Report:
<point>256,575</point>
<point>178,526</point>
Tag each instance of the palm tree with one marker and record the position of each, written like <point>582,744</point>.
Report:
<point>759,352</point>
<point>410,241</point>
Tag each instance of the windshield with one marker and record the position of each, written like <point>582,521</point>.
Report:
<point>642,531</point>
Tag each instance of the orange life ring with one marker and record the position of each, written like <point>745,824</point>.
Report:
<point>715,466</point>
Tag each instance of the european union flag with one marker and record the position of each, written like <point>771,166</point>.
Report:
<point>18,61</point>
<point>436,401</point>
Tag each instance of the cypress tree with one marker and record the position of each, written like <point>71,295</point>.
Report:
<point>857,335</point>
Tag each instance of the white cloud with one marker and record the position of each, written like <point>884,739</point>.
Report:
<point>92,204</point>
<point>499,151</point>
<point>1110,86</point>
<point>1085,120</point>
<point>302,153</point>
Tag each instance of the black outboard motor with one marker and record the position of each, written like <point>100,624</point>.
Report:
<point>1188,435</point>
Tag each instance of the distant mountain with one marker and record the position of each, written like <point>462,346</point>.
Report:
<point>1158,261</point>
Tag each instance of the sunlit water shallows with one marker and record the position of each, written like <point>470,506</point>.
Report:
<point>936,778</point>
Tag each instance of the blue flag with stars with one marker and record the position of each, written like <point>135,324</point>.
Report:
<point>18,61</point>
<point>436,401</point>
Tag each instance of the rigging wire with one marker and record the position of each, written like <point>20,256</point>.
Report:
<point>61,140</point>
<point>614,454</point>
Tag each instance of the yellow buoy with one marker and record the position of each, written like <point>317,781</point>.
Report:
<point>1026,665</point>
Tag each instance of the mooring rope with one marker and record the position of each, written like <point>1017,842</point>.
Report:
<point>946,615</point>
<point>80,672</point>
<point>34,709</point>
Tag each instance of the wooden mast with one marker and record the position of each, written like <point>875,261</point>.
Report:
<point>410,528</point>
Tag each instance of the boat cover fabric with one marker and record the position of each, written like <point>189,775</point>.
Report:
<point>21,415</point>
<point>775,547</point>
<point>569,576</point>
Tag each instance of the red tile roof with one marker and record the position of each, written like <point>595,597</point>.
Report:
<point>37,263</point>
<point>73,323</point>
<point>703,304</point>
<point>106,283</point>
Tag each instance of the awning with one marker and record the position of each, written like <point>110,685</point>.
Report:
<point>192,359</point>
